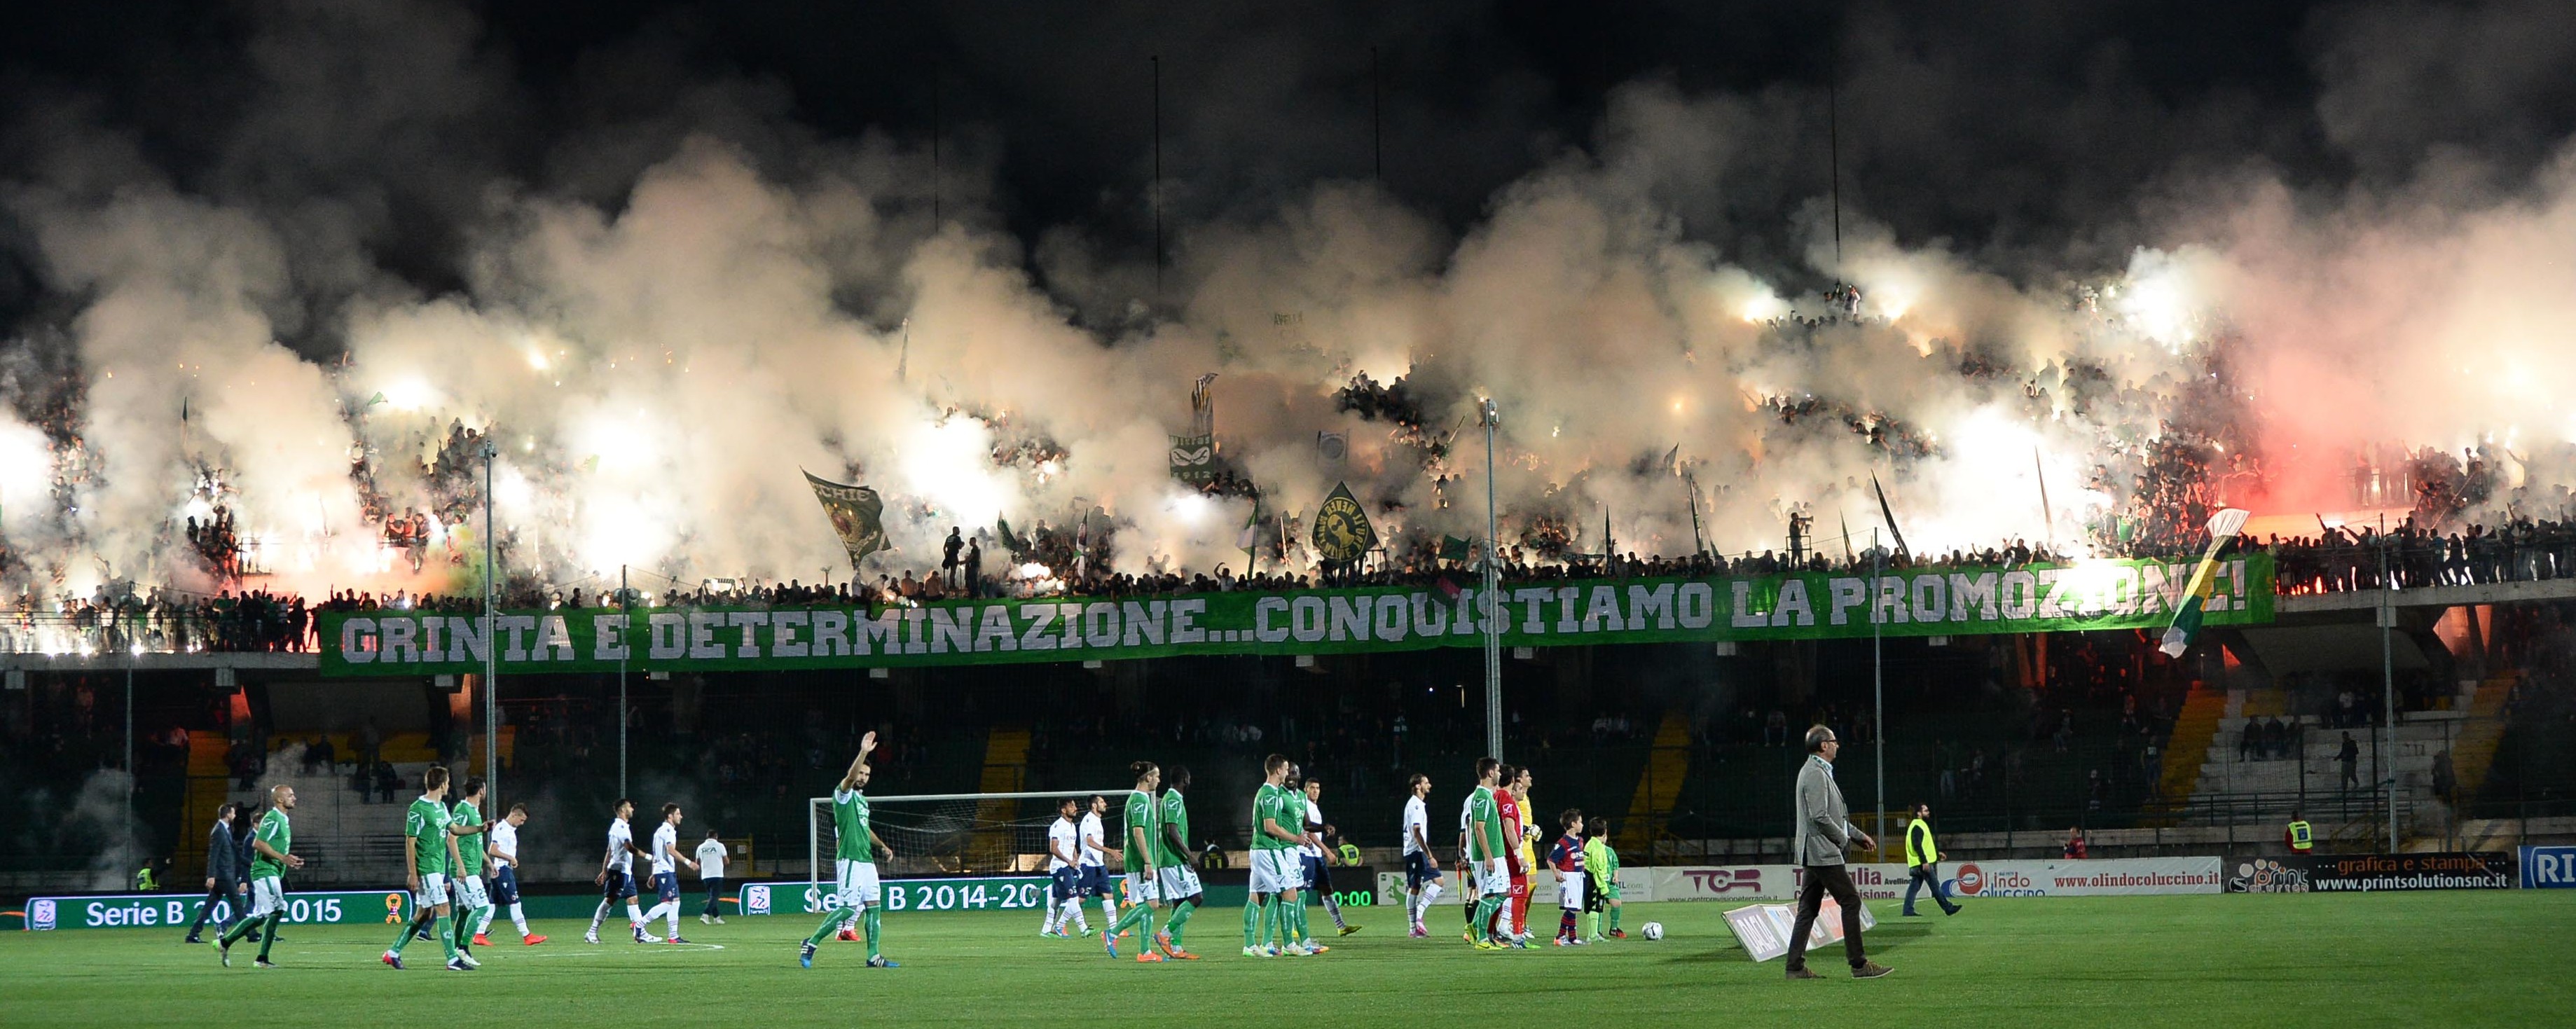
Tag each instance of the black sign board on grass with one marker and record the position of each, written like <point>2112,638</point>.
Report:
<point>2372,873</point>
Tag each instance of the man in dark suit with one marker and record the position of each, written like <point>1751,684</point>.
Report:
<point>223,869</point>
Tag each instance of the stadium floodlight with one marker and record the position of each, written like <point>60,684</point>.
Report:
<point>951,833</point>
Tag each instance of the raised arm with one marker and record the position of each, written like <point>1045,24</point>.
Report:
<point>850,779</point>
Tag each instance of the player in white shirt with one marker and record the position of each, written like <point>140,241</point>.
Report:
<point>666,874</point>
<point>1093,872</point>
<point>1319,861</point>
<point>711,862</point>
<point>1064,861</point>
<point>1421,870</point>
<point>617,876</point>
<point>504,848</point>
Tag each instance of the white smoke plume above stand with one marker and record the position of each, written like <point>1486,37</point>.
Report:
<point>656,362</point>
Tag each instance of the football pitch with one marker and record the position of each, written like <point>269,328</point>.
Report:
<point>2385,959</point>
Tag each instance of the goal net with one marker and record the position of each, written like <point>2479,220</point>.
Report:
<point>951,833</point>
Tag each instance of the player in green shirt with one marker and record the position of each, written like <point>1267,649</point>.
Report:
<point>1275,867</point>
<point>272,841</point>
<point>429,851</point>
<point>1143,891</point>
<point>1178,881</point>
<point>854,862</point>
<point>466,821</point>
<point>1485,853</point>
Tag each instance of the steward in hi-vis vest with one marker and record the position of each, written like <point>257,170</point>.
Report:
<point>1922,863</point>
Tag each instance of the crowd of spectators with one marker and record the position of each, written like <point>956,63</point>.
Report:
<point>2338,559</point>
<point>2341,558</point>
<point>161,620</point>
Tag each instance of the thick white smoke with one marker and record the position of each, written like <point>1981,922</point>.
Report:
<point>656,366</point>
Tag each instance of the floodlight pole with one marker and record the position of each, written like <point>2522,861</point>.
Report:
<point>1493,610</point>
<point>2388,680</point>
<point>491,636</point>
<point>130,658</point>
<point>623,608</point>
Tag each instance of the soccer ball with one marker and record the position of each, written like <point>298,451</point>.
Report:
<point>1654,930</point>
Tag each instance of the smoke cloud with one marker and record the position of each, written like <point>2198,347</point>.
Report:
<point>661,287</point>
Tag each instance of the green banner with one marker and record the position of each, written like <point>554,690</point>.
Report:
<point>2102,594</point>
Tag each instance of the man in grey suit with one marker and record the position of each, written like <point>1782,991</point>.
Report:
<point>1824,829</point>
<point>223,869</point>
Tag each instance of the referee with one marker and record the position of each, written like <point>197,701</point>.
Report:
<point>1824,828</point>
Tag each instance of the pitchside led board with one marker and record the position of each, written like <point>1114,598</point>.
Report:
<point>2093,594</point>
<point>130,910</point>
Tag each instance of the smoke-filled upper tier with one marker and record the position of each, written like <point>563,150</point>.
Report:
<point>262,349</point>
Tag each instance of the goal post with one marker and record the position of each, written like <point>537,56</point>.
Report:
<point>951,833</point>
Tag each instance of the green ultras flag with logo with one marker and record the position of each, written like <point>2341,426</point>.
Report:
<point>1342,529</point>
<point>856,513</point>
<point>2086,595</point>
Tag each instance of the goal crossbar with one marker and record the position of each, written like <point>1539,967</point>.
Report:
<point>819,813</point>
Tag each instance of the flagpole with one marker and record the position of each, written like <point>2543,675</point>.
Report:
<point>1699,544</point>
<point>2047,517</point>
<point>1877,692</point>
<point>1492,606</point>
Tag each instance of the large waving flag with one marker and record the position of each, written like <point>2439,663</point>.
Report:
<point>856,513</point>
<point>2186,623</point>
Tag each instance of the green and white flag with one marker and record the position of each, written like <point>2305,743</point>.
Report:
<point>2186,622</point>
<point>856,513</point>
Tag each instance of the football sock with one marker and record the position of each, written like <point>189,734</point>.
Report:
<point>519,917</point>
<point>596,917</point>
<point>873,923</point>
<point>1565,925</point>
<point>240,928</point>
<point>831,920</point>
<point>268,933</point>
<point>1140,916</point>
<point>1334,908</point>
<point>1252,921</point>
<point>634,916</point>
<point>446,938</point>
<point>1108,910</point>
<point>483,922</point>
<point>1591,924</point>
<point>1180,917</point>
<point>1054,914</point>
<point>409,931</point>
<point>1614,917</point>
<point>1481,919</point>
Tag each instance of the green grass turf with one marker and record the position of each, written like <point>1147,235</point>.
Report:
<point>2385,959</point>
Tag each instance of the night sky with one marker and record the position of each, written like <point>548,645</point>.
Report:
<point>2023,131</point>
